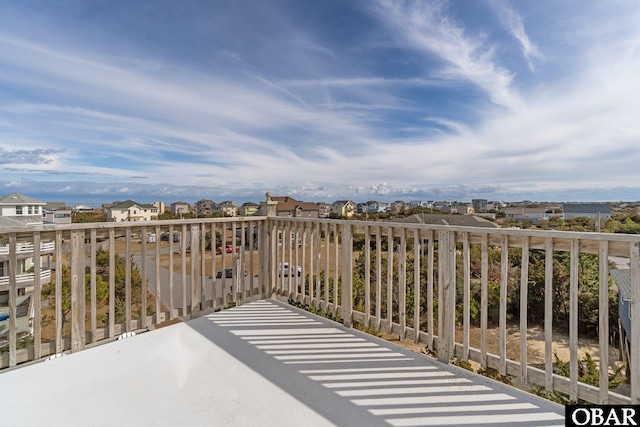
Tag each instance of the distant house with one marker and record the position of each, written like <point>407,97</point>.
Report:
<point>588,210</point>
<point>324,210</point>
<point>178,208</point>
<point>480,205</point>
<point>443,219</point>
<point>132,212</point>
<point>82,208</point>
<point>398,207</point>
<point>227,208</point>
<point>23,209</point>
<point>248,209</point>
<point>343,208</point>
<point>57,216</point>
<point>522,213</point>
<point>205,207</point>
<point>290,207</point>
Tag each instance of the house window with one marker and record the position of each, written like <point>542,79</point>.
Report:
<point>30,209</point>
<point>18,210</point>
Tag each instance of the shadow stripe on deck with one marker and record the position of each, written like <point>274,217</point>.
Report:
<point>401,387</point>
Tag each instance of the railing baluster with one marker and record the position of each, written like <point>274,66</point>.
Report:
<point>144,277</point>
<point>171,281</point>
<point>335,269</point>
<point>484,299</point>
<point>603,319</point>
<point>157,276</point>
<point>504,279</point>
<point>318,263</point>
<point>417,288</point>
<point>223,266</point>
<point>93,310</point>
<point>548,313</point>
<point>430,261</point>
<point>127,289</point>
<point>378,278</point>
<point>203,266</point>
<point>13,260</point>
<point>327,233</point>
<point>367,276</point>
<point>37,292</point>
<point>214,269</point>
<point>78,337</point>
<point>183,266</point>
<point>112,282</point>
<point>347,275</point>
<point>573,320</point>
<point>466,295</point>
<point>194,278</point>
<point>290,280</point>
<point>390,280</point>
<point>304,263</point>
<point>311,265</point>
<point>634,263</point>
<point>58,300</point>
<point>402,285</point>
<point>524,285</point>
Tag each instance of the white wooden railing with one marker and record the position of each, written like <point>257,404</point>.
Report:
<point>414,281</point>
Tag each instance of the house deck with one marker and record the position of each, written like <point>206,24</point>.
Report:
<point>263,363</point>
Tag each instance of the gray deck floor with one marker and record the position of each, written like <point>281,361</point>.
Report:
<point>260,364</point>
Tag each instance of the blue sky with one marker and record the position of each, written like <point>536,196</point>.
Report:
<point>320,100</point>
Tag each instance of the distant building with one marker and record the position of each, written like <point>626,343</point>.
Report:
<point>588,210</point>
<point>57,216</point>
<point>160,206</point>
<point>292,208</point>
<point>343,208</point>
<point>248,209</point>
<point>82,208</point>
<point>132,212</point>
<point>178,208</point>
<point>480,205</point>
<point>324,210</point>
<point>23,209</point>
<point>205,207</point>
<point>227,208</point>
<point>522,213</point>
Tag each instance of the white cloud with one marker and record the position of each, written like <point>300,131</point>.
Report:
<point>426,26</point>
<point>513,23</point>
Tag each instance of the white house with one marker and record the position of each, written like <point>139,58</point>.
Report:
<point>21,208</point>
<point>132,211</point>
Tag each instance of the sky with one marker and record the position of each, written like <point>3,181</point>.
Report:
<point>163,100</point>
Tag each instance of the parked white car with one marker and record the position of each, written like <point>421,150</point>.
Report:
<point>283,270</point>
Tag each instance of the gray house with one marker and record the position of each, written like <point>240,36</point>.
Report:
<point>589,210</point>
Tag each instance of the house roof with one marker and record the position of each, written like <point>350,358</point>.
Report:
<point>292,204</point>
<point>128,203</point>
<point>459,220</point>
<point>8,222</point>
<point>622,277</point>
<point>20,199</point>
<point>584,208</point>
<point>523,210</point>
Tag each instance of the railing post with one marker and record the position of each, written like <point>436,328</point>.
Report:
<point>268,246</point>
<point>194,249</point>
<point>446,303</point>
<point>347,275</point>
<point>77,292</point>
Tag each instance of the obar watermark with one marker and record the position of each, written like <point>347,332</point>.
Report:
<point>602,415</point>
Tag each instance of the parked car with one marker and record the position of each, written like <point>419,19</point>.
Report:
<point>228,249</point>
<point>283,270</point>
<point>228,273</point>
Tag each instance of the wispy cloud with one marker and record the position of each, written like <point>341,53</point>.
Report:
<point>512,21</point>
<point>427,27</point>
<point>27,157</point>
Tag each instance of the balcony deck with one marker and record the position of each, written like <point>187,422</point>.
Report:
<point>263,363</point>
